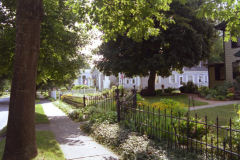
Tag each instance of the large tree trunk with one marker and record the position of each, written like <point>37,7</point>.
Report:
<point>151,83</point>
<point>21,139</point>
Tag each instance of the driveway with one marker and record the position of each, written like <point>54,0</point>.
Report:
<point>4,102</point>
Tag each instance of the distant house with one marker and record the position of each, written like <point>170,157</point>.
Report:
<point>230,69</point>
<point>85,78</point>
<point>94,78</point>
<point>198,75</point>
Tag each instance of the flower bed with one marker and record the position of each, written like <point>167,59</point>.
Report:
<point>131,145</point>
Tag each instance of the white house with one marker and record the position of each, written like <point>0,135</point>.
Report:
<point>85,78</point>
<point>93,78</point>
<point>198,75</point>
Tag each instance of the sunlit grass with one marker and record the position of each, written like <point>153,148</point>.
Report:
<point>224,114</point>
<point>48,147</point>
<point>40,115</point>
<point>2,144</point>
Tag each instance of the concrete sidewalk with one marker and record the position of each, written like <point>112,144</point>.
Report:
<point>75,144</point>
<point>214,105</point>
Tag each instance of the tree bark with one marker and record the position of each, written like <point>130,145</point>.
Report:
<point>21,139</point>
<point>151,83</point>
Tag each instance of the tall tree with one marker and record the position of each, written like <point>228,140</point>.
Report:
<point>184,43</point>
<point>21,141</point>
<point>132,18</point>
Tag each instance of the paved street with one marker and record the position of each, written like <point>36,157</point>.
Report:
<point>3,112</point>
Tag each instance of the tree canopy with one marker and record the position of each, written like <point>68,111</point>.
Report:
<point>184,43</point>
<point>61,42</point>
<point>132,18</point>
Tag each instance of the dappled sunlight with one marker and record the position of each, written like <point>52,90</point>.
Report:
<point>67,132</point>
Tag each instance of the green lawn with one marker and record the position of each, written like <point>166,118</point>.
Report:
<point>223,112</point>
<point>180,98</point>
<point>40,116</point>
<point>48,147</point>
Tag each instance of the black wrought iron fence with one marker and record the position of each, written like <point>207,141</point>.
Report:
<point>178,129</point>
<point>181,130</point>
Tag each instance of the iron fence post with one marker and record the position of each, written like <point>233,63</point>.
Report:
<point>134,97</point>
<point>118,105</point>
<point>84,101</point>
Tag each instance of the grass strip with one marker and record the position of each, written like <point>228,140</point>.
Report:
<point>41,118</point>
<point>48,147</point>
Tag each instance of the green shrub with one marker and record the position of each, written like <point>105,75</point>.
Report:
<point>139,98</point>
<point>230,95</point>
<point>100,115</point>
<point>219,97</point>
<point>169,90</point>
<point>222,90</point>
<point>166,91</point>
<point>190,87</point>
<point>82,114</point>
<point>76,115</point>
<point>203,91</point>
<point>209,96</point>
<point>213,93</point>
<point>77,87</point>
<point>191,129</point>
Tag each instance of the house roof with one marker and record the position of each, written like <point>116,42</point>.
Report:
<point>196,68</point>
<point>237,54</point>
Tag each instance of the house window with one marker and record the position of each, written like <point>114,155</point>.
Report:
<point>236,69</point>
<point>206,79</point>
<point>181,80</point>
<point>236,44</point>
<point>200,80</point>
<point>190,78</point>
<point>219,72</point>
<point>172,79</point>
<point>84,80</point>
